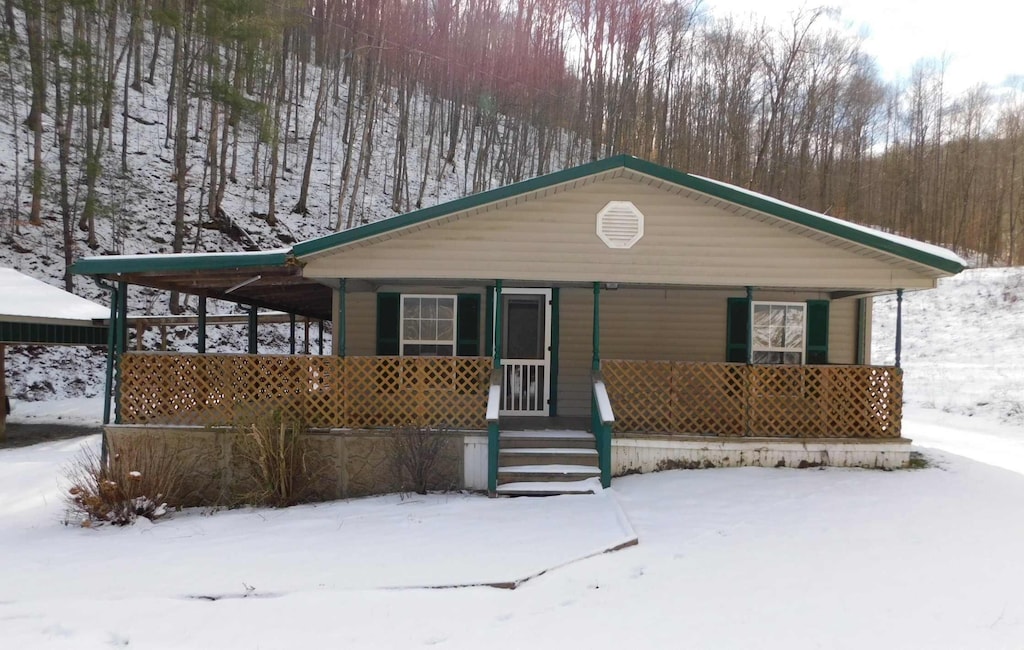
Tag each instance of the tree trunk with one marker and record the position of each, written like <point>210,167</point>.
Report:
<point>314,129</point>
<point>63,127</point>
<point>182,43</point>
<point>34,28</point>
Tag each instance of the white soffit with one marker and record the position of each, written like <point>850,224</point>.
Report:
<point>620,224</point>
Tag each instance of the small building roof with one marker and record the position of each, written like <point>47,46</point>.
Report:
<point>33,312</point>
<point>25,299</point>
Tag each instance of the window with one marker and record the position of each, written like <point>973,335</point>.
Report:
<point>779,332</point>
<point>428,326</point>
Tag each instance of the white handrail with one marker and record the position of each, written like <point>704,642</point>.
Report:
<point>604,404</point>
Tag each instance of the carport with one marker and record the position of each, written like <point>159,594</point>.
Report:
<point>35,313</point>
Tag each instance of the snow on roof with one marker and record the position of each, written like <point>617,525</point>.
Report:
<point>924,247</point>
<point>194,256</point>
<point>155,262</point>
<point>23,298</point>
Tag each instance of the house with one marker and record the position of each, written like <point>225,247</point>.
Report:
<point>614,317</point>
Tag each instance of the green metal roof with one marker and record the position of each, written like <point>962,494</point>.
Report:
<point>114,264</point>
<point>909,249</point>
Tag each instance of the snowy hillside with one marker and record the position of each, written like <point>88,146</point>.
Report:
<point>137,209</point>
<point>963,344</point>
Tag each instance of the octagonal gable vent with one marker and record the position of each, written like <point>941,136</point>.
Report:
<point>620,224</point>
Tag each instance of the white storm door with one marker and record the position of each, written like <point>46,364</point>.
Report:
<point>525,351</point>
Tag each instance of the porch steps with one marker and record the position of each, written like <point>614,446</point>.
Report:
<point>547,455</point>
<point>547,439</point>
<point>543,463</point>
<point>548,488</point>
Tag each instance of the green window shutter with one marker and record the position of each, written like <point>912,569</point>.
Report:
<point>468,324</point>
<point>737,317</point>
<point>388,321</point>
<point>489,324</point>
<point>817,332</point>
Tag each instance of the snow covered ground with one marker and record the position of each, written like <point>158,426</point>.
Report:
<point>727,558</point>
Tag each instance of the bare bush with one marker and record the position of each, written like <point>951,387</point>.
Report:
<point>140,479</point>
<point>415,455</point>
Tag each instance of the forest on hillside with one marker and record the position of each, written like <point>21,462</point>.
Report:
<point>266,120</point>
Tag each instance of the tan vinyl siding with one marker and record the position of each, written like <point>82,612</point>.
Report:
<point>688,240</point>
<point>660,324</point>
<point>361,324</point>
<point>575,324</point>
<point>842,331</point>
<point>866,331</point>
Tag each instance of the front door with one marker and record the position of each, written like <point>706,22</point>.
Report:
<point>526,351</point>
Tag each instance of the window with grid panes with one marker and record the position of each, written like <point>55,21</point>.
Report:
<point>779,332</point>
<point>428,326</point>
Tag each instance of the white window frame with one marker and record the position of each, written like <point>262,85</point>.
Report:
<point>754,348</point>
<point>402,341</point>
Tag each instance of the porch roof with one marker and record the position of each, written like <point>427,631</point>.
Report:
<point>929,255</point>
<point>270,279</point>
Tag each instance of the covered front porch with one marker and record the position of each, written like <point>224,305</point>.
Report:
<point>569,414</point>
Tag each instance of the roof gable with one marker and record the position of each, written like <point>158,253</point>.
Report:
<point>689,239</point>
<point>931,256</point>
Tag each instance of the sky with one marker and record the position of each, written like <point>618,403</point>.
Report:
<point>982,39</point>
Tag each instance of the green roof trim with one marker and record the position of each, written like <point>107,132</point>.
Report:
<point>117,264</point>
<point>900,247</point>
<point>52,334</point>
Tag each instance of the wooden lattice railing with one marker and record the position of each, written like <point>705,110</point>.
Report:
<point>320,391</point>
<point>729,399</point>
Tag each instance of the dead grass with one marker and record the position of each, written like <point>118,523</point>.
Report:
<point>273,454</point>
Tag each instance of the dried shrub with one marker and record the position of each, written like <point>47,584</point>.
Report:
<point>272,451</point>
<point>415,455</point>
<point>140,479</point>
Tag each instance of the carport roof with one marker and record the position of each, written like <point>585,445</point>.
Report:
<point>270,279</point>
<point>33,312</point>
